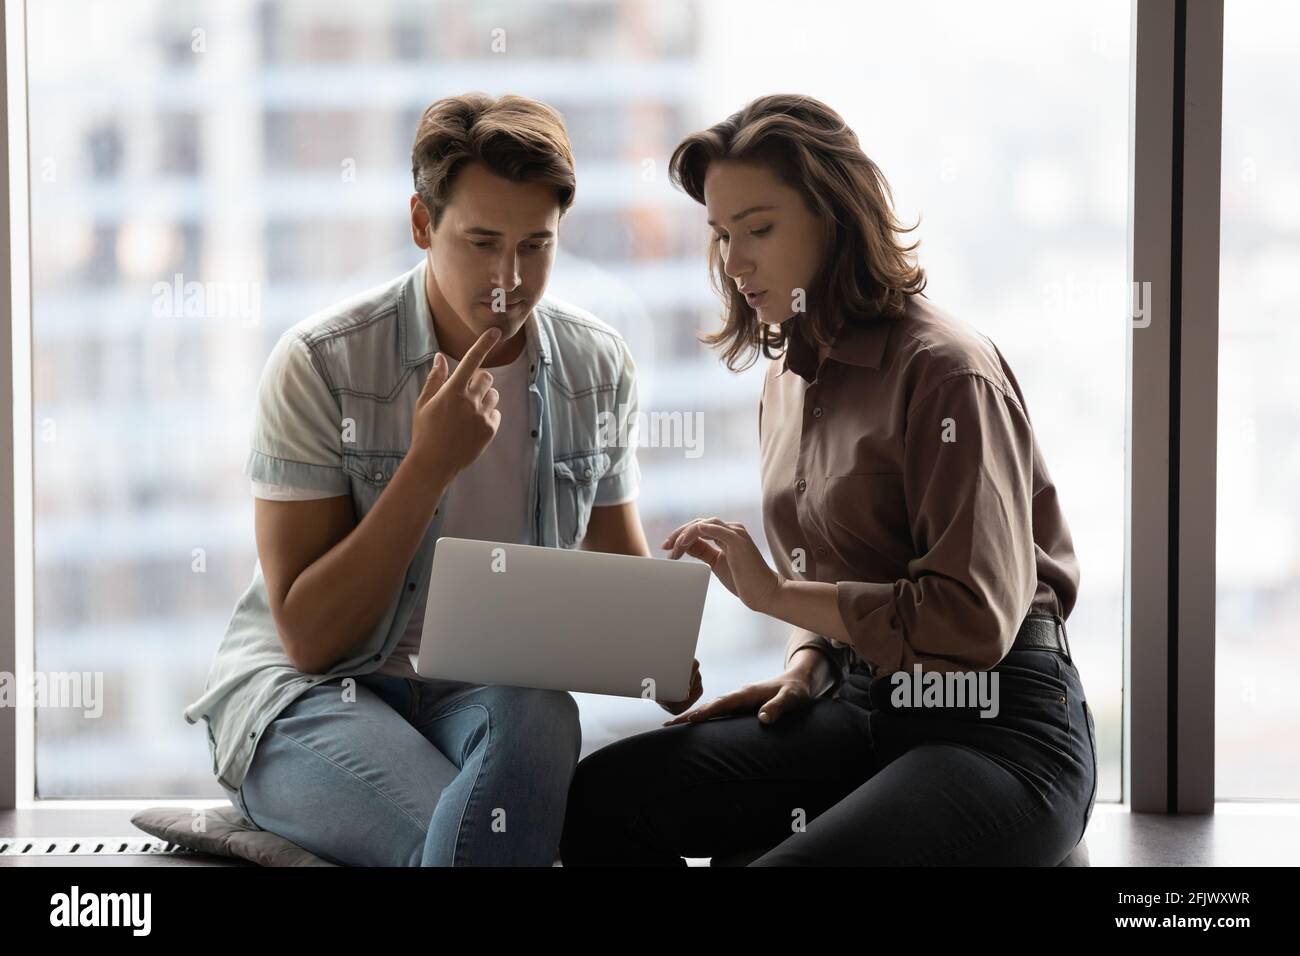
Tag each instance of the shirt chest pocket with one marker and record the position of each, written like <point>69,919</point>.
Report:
<point>576,479</point>
<point>369,473</point>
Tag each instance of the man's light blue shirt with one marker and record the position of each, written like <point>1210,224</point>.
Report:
<point>333,413</point>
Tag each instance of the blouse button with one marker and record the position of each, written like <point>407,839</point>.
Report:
<point>817,412</point>
<point>801,484</point>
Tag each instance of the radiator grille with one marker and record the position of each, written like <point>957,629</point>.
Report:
<point>90,846</point>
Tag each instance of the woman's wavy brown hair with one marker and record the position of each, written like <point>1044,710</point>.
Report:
<point>867,271</point>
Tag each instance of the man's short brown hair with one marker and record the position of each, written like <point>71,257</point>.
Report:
<point>514,137</point>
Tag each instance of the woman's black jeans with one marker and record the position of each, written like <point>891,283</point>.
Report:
<point>853,780</point>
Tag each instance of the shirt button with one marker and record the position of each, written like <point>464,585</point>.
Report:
<point>586,473</point>
<point>377,657</point>
<point>379,476</point>
<point>410,585</point>
<point>817,412</point>
<point>821,552</point>
<point>801,484</point>
<point>893,621</point>
<point>534,433</point>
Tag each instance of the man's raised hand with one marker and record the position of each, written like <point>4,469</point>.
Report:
<point>456,415</point>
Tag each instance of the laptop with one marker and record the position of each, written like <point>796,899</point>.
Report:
<point>555,619</point>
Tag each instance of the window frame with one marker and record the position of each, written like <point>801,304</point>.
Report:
<point>1175,120</point>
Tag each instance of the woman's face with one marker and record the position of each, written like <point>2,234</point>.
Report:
<point>771,244</point>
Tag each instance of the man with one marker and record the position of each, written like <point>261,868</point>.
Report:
<point>455,400</point>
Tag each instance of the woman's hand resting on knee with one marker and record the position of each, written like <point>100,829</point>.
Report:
<point>772,698</point>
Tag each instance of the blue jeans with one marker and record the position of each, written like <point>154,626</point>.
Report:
<point>852,781</point>
<point>398,772</point>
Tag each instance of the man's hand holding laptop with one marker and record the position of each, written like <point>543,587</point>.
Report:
<point>697,691</point>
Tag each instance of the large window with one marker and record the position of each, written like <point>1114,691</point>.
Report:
<point>1258,542</point>
<point>261,149</point>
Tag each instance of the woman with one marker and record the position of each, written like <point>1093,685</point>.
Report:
<point>929,712</point>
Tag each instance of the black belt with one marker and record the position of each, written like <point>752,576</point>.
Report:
<point>1041,631</point>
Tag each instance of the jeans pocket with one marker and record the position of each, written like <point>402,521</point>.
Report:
<point>1034,689</point>
<point>1096,772</point>
<point>1046,707</point>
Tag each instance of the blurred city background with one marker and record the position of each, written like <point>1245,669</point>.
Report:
<point>264,148</point>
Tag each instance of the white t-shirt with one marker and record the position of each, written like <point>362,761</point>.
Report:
<point>488,501</point>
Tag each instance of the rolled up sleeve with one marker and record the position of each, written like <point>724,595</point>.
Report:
<point>968,480</point>
<point>297,424</point>
<point>622,480</point>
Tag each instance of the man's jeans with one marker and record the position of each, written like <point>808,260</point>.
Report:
<point>416,774</point>
<point>852,781</point>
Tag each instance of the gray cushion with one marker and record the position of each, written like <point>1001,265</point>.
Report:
<point>226,833</point>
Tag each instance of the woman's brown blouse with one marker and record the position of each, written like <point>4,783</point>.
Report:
<point>904,470</point>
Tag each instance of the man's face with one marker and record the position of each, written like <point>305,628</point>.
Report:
<point>491,255</point>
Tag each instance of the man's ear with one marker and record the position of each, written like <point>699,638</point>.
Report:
<point>420,222</point>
